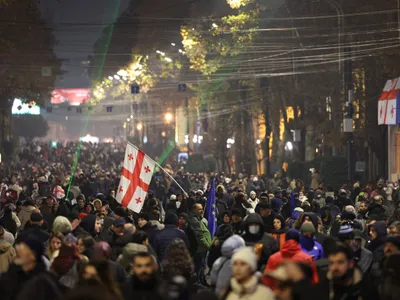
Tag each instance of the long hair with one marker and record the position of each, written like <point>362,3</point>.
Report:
<point>105,277</point>
<point>50,251</point>
<point>177,260</point>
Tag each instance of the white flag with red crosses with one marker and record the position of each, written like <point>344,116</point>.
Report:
<point>137,172</point>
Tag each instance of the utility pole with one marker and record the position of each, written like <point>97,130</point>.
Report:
<point>348,116</point>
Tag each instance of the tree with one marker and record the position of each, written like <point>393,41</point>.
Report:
<point>29,126</point>
<point>26,46</point>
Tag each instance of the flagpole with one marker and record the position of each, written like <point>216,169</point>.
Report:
<point>158,165</point>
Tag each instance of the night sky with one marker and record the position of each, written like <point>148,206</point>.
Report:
<point>75,42</point>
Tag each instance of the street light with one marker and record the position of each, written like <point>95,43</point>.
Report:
<point>258,142</point>
<point>139,126</point>
<point>168,117</point>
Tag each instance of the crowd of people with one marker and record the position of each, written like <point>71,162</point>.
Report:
<point>68,238</point>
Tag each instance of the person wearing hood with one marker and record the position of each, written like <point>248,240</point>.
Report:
<point>244,282</point>
<point>253,200</point>
<point>308,243</point>
<point>90,225</point>
<point>378,235</point>
<point>295,215</point>
<point>8,222</point>
<point>241,204</point>
<point>221,271</point>
<point>279,231</point>
<point>290,250</point>
<point>255,236</point>
<point>89,208</point>
<point>343,200</point>
<point>310,217</point>
<point>7,254</point>
<point>223,232</point>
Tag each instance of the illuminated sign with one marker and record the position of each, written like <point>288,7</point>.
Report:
<point>70,96</point>
<point>21,108</point>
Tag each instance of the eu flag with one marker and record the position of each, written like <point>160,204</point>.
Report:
<point>212,210</point>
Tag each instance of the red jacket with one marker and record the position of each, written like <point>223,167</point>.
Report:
<point>291,251</point>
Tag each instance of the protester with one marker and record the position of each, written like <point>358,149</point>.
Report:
<point>244,282</point>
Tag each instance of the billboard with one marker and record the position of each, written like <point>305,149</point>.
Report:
<point>21,108</point>
<point>70,96</point>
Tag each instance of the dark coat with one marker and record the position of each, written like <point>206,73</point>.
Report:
<point>13,282</point>
<point>270,245</point>
<point>116,242</point>
<point>134,289</point>
<point>34,231</point>
<point>163,238</point>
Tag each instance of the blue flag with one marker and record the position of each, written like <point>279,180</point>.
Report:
<point>212,210</point>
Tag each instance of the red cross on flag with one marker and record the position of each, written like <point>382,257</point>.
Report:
<point>135,179</point>
<point>387,104</point>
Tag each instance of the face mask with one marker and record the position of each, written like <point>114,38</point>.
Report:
<point>178,204</point>
<point>254,229</point>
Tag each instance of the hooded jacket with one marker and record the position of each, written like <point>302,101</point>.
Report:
<point>7,256</point>
<point>88,224</point>
<point>376,245</point>
<point>291,250</point>
<point>311,247</point>
<point>221,271</point>
<point>268,243</point>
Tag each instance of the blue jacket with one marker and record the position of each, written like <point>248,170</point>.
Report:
<point>165,237</point>
<point>311,247</point>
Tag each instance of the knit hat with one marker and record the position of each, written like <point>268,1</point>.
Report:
<point>345,232</point>
<point>253,193</point>
<point>36,217</point>
<point>247,256</point>
<point>36,247</point>
<point>292,234</point>
<point>307,227</point>
<point>171,219</point>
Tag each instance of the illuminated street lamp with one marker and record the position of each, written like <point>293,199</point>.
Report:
<point>168,117</point>
<point>139,126</point>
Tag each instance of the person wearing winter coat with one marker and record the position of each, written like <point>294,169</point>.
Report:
<point>308,243</point>
<point>8,222</point>
<point>290,250</point>
<point>7,254</point>
<point>163,238</point>
<point>223,232</point>
<point>221,271</point>
<point>253,200</point>
<point>254,236</point>
<point>378,235</point>
<point>244,283</point>
<point>279,231</point>
<point>202,233</point>
<point>30,265</point>
<point>25,213</point>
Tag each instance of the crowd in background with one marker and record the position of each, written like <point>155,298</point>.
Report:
<point>68,238</point>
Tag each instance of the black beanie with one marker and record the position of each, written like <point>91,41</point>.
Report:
<point>171,219</point>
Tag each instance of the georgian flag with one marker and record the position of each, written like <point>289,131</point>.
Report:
<point>387,104</point>
<point>137,172</point>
